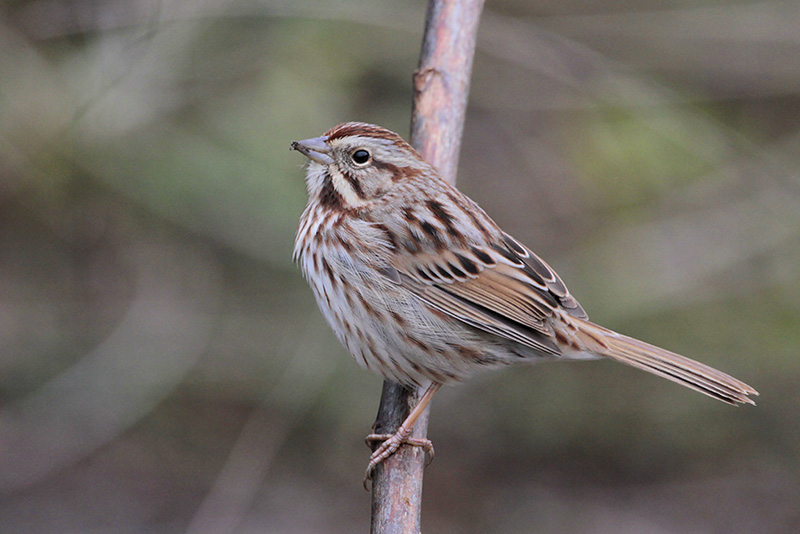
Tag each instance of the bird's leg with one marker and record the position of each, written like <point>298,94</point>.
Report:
<point>392,442</point>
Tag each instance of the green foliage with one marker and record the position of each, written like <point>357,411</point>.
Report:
<point>623,159</point>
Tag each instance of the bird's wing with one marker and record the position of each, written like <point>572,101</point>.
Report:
<point>503,289</point>
<point>506,290</point>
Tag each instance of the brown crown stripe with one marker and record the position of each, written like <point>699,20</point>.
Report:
<point>363,129</point>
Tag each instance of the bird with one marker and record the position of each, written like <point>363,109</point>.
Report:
<point>422,287</point>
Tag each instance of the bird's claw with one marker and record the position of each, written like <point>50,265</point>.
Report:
<point>392,442</point>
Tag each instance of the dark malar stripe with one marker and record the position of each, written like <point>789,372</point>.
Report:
<point>329,197</point>
<point>355,184</point>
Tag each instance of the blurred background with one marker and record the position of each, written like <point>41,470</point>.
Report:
<point>164,367</point>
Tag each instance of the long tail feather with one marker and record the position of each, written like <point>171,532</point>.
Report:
<point>664,363</point>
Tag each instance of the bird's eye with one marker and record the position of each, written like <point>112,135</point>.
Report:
<point>360,156</point>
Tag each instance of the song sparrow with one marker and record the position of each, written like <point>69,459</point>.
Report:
<point>423,288</point>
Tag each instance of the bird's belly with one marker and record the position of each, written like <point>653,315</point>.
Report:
<point>391,332</point>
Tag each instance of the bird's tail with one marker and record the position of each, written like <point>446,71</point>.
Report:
<point>684,371</point>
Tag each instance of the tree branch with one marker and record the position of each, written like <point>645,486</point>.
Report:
<point>441,82</point>
<point>441,87</point>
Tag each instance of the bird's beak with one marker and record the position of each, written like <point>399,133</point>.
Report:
<point>315,149</point>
